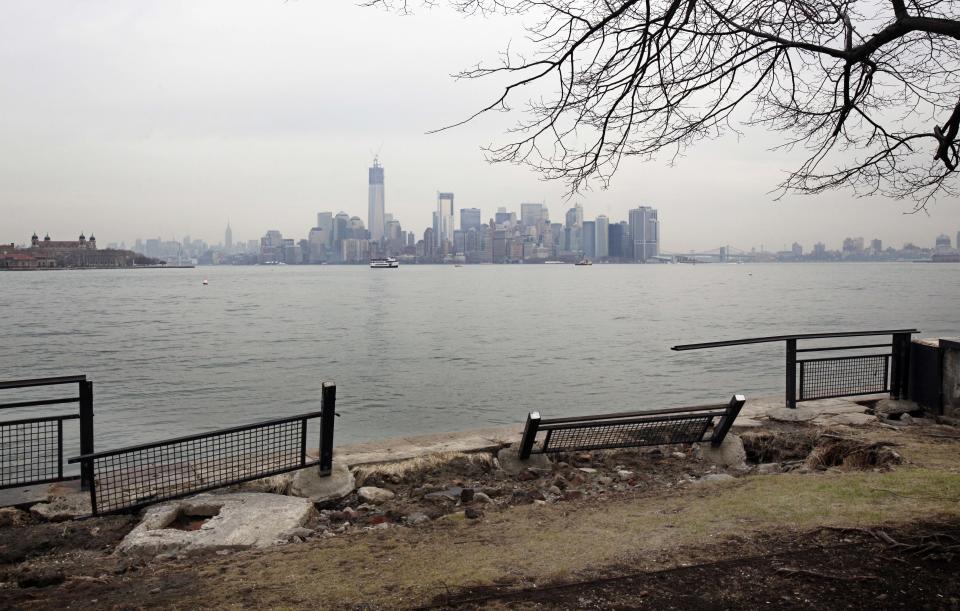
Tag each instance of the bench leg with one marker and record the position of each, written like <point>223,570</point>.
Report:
<point>723,427</point>
<point>529,435</point>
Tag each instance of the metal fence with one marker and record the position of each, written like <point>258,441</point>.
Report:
<point>822,378</point>
<point>31,449</point>
<point>135,476</point>
<point>844,376</point>
<point>630,429</point>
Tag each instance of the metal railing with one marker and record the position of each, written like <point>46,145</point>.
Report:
<point>136,476</point>
<point>844,376</point>
<point>31,449</point>
<point>630,429</point>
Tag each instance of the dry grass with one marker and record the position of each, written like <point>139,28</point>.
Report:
<point>852,454</point>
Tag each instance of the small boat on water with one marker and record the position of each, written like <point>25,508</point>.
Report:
<point>205,283</point>
<point>384,263</point>
<point>584,261</point>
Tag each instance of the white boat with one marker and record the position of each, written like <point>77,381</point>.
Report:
<point>584,261</point>
<point>386,263</point>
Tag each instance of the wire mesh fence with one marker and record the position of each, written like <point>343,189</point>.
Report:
<point>844,376</point>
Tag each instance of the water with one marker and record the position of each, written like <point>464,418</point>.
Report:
<point>434,348</point>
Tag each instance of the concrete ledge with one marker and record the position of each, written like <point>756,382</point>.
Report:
<point>403,448</point>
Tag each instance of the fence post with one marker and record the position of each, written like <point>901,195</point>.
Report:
<point>529,434</point>
<point>726,421</point>
<point>327,416</point>
<point>792,373</point>
<point>900,365</point>
<point>86,433</point>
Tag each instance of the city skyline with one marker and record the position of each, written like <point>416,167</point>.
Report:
<point>245,129</point>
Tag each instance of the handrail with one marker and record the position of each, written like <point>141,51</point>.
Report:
<point>781,338</point>
<point>40,402</point>
<point>657,412</point>
<point>214,433</point>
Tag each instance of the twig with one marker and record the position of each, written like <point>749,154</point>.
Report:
<point>804,572</point>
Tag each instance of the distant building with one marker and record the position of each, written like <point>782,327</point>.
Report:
<point>228,238</point>
<point>645,232</point>
<point>532,215</point>
<point>47,253</point>
<point>942,243</point>
<point>470,218</point>
<point>876,246</point>
<point>853,245</point>
<point>589,232</point>
<point>375,209</point>
<point>444,220</point>
<point>797,250</point>
<point>602,239</point>
<point>271,247</point>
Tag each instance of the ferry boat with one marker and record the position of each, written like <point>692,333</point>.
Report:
<point>387,263</point>
<point>584,262</point>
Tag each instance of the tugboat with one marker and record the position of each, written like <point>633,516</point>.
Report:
<point>584,261</point>
<point>385,263</point>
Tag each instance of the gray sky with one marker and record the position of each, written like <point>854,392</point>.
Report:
<point>166,118</point>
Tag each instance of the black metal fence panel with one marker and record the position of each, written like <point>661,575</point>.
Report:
<point>605,435</point>
<point>630,429</point>
<point>136,476</point>
<point>844,376</point>
<point>141,475</point>
<point>31,449</point>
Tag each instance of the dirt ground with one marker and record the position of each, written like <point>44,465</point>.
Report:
<point>625,529</point>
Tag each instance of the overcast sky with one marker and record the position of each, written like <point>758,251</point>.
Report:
<point>166,118</point>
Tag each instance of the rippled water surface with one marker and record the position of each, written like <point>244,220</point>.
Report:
<point>435,348</point>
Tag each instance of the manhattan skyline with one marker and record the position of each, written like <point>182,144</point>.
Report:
<point>251,116</point>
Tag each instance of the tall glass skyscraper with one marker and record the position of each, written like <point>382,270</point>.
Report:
<point>375,210</point>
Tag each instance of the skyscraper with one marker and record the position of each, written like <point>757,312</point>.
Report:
<point>603,236</point>
<point>445,217</point>
<point>589,239</point>
<point>470,218</point>
<point>228,238</point>
<point>376,201</point>
<point>645,232</point>
<point>325,224</point>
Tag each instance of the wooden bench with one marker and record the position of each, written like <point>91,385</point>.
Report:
<point>630,429</point>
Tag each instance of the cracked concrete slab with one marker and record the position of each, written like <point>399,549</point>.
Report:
<point>209,522</point>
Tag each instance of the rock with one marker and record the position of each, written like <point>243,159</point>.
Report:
<point>891,407</point>
<point>40,577</point>
<point>11,516</point>
<point>236,521</point>
<point>450,494</point>
<point>625,475</point>
<point>906,419</point>
<point>467,495</point>
<point>604,481</point>
<point>481,497</point>
<point>472,513</point>
<point>769,468</point>
<point>584,457</point>
<point>554,490</point>
<point>572,495</point>
<point>680,455</point>
<point>372,494</point>
<point>786,414</point>
<point>323,490</point>
<point>350,514</point>
<point>730,453</point>
<point>510,462</point>
<point>845,419</point>
<point>540,503</point>
<point>296,533</point>
<point>417,518</point>
<point>587,470</point>
<point>63,507</point>
<point>560,483</point>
